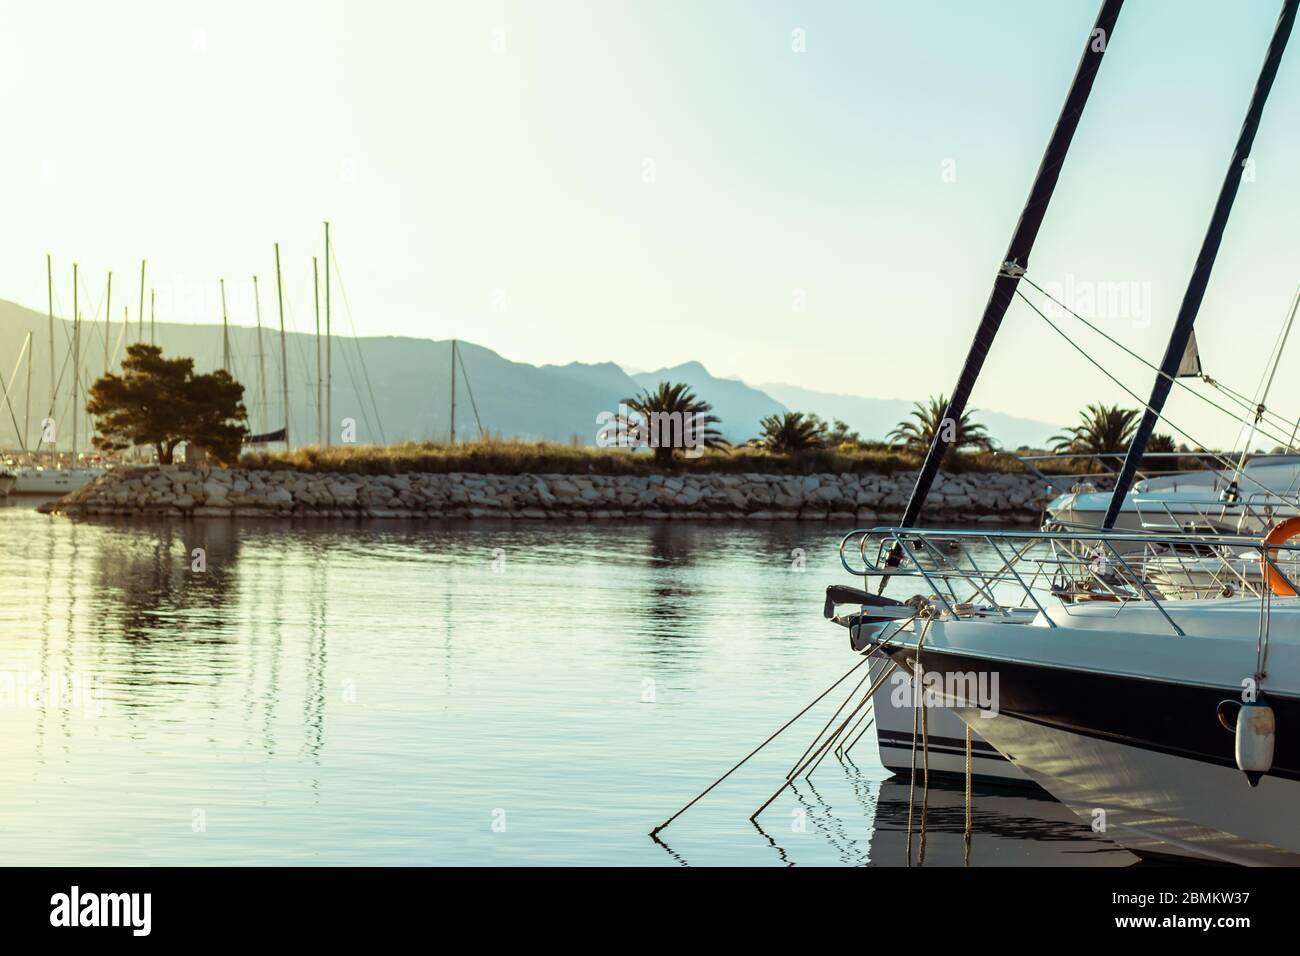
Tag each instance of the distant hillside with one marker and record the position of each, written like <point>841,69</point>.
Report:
<point>876,417</point>
<point>410,381</point>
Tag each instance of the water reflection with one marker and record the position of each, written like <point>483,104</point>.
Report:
<point>384,692</point>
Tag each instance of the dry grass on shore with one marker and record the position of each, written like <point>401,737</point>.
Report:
<point>506,457</point>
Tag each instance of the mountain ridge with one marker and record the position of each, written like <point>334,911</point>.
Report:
<point>398,387</point>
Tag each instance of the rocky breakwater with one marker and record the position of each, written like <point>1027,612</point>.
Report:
<point>847,498</point>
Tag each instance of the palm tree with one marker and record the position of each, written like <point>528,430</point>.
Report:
<point>792,432</point>
<point>838,433</point>
<point>672,417</point>
<point>1101,430</point>
<point>1161,443</point>
<point>917,433</point>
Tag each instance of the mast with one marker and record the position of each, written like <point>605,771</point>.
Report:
<point>76,361</point>
<point>453,391</point>
<point>151,327</point>
<point>261,353</point>
<point>49,293</point>
<point>329,348</point>
<point>225,330</point>
<point>1016,260</point>
<point>108,319</point>
<point>27,408</point>
<point>284,352</point>
<point>140,313</point>
<point>1200,278</point>
<point>315,292</point>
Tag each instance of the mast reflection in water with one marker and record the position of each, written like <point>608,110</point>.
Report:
<point>391,692</point>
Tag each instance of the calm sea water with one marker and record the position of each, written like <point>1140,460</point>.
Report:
<point>414,693</point>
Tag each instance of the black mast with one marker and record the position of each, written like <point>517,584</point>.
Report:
<point>1016,260</point>
<point>1204,263</point>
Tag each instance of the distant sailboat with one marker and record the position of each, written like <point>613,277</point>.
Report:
<point>50,476</point>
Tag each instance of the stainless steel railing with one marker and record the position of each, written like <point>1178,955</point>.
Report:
<point>1000,574</point>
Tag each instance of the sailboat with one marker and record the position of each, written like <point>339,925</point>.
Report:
<point>1251,498</point>
<point>52,476</point>
<point>1168,724</point>
<point>894,721</point>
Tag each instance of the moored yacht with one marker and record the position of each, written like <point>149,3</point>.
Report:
<point>36,480</point>
<point>1095,576</point>
<point>1172,727</point>
<point>1220,501</point>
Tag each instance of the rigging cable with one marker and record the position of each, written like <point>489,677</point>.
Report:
<point>469,388</point>
<point>1225,462</point>
<point>1124,348</point>
<point>302,355</point>
<point>356,342</point>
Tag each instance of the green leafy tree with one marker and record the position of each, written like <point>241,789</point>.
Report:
<point>917,432</point>
<point>792,433</point>
<point>671,417</point>
<point>161,402</point>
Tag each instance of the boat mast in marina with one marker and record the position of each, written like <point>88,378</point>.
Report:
<point>76,361</point>
<point>225,330</point>
<point>284,351</point>
<point>49,293</point>
<point>151,327</point>
<point>261,353</point>
<point>27,407</point>
<point>1191,305</point>
<point>6,391</point>
<point>329,348</point>
<point>1016,260</point>
<point>315,292</point>
<point>140,313</point>
<point>453,391</point>
<point>108,316</point>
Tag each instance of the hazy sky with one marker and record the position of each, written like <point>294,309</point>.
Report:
<point>655,182</point>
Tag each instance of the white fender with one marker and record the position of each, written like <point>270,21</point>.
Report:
<point>1256,728</point>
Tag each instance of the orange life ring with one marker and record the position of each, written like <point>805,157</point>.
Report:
<point>1281,534</point>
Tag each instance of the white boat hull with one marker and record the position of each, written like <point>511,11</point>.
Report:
<point>893,712</point>
<point>1116,715</point>
<point>1152,803</point>
<point>52,481</point>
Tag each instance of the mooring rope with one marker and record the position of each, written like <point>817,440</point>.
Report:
<point>866,697</point>
<point>968,794</point>
<point>778,732</point>
<point>925,790</point>
<point>918,674</point>
<point>844,751</point>
<point>911,788</point>
<point>816,740</point>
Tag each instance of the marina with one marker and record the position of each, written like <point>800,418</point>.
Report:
<point>632,438</point>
